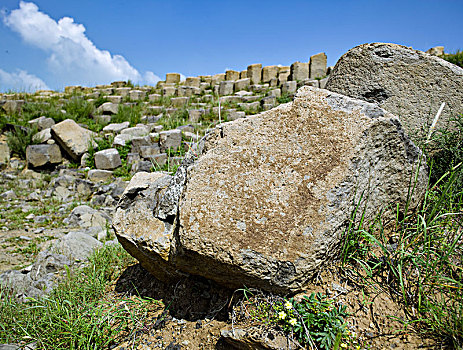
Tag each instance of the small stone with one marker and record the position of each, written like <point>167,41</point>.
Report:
<point>107,159</point>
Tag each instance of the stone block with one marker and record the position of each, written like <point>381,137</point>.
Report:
<point>170,139</point>
<point>242,84</point>
<point>217,78</point>
<point>243,74</point>
<point>299,71</point>
<point>172,78</point>
<point>159,160</point>
<point>154,98</point>
<point>317,65</point>
<point>72,138</point>
<point>138,142</point>
<point>275,92</point>
<point>254,72</point>
<point>258,88</point>
<point>43,155</point>
<point>193,82</point>
<point>107,159</point>
<point>114,99</point>
<point>269,73</point>
<point>226,88</point>
<point>98,175</point>
<point>108,108</point>
<point>194,115</point>
<point>168,91</point>
<point>42,123</point>
<point>147,152</point>
<point>137,95</point>
<point>235,115</point>
<point>122,91</point>
<point>232,75</point>
<point>179,101</point>
<point>289,87</point>
<point>116,127</point>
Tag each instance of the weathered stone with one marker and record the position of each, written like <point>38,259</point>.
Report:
<point>42,136</point>
<point>132,158</point>
<point>317,66</point>
<point>119,84</point>
<point>74,139</point>
<point>299,71</point>
<point>102,119</point>
<point>43,155</point>
<point>436,51</point>
<point>159,160</point>
<point>141,166</point>
<point>232,75</point>
<point>226,88</point>
<point>137,95</point>
<point>170,139</point>
<point>187,127</point>
<point>247,212</point>
<point>148,151</point>
<point>122,139</point>
<point>242,84</point>
<point>154,98</point>
<point>179,101</point>
<point>323,83</point>
<point>135,207</point>
<point>192,82</point>
<point>169,91</point>
<point>217,78</point>
<point>96,175</point>
<point>116,127</point>
<point>254,73</point>
<point>258,337</point>
<point>138,142</point>
<point>114,99</point>
<point>13,106</point>
<point>406,82</point>
<point>243,74</point>
<point>122,91</point>
<point>235,115</point>
<point>195,114</point>
<point>4,154</point>
<point>107,159</point>
<point>108,108</point>
<point>42,123</point>
<point>173,78</point>
<point>85,216</point>
<point>269,73</point>
<point>76,245</point>
<point>136,131</point>
<point>289,87</point>
<point>275,92</point>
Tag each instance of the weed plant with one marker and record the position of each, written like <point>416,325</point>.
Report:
<point>314,320</point>
<point>76,315</point>
<point>455,58</point>
<point>132,114</point>
<point>419,261</point>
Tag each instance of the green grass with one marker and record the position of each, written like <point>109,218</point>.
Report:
<point>419,259</point>
<point>78,314</point>
<point>455,58</point>
<point>314,320</point>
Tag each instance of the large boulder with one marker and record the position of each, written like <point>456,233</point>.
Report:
<point>264,201</point>
<point>408,83</point>
<point>43,155</point>
<point>73,138</point>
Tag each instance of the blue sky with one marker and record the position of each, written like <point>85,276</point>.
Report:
<point>54,43</point>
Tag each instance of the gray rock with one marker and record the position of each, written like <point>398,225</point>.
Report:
<point>108,108</point>
<point>265,200</point>
<point>317,66</point>
<point>173,78</point>
<point>179,101</point>
<point>269,73</point>
<point>136,131</point>
<point>42,123</point>
<point>254,72</point>
<point>138,142</point>
<point>289,87</point>
<point>242,84</point>
<point>122,139</point>
<point>226,88</point>
<point>76,246</point>
<point>4,154</point>
<point>116,127</point>
<point>299,71</point>
<point>137,95</point>
<point>170,139</point>
<point>136,205</point>
<point>43,155</point>
<point>149,151</point>
<point>107,159</point>
<point>232,75</point>
<point>85,216</point>
<point>142,166</point>
<point>258,337</point>
<point>406,82</point>
<point>96,175</point>
<point>74,139</point>
<point>42,136</point>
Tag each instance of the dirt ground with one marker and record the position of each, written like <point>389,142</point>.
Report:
<point>199,309</point>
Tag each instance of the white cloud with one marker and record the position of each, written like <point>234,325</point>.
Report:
<point>74,58</point>
<point>20,81</point>
<point>151,78</point>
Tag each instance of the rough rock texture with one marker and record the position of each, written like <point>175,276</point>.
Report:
<point>258,338</point>
<point>268,198</point>
<point>144,236</point>
<point>4,154</point>
<point>43,155</point>
<point>73,138</point>
<point>408,83</point>
<point>107,159</point>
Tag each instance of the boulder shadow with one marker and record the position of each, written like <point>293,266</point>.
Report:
<point>192,298</point>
